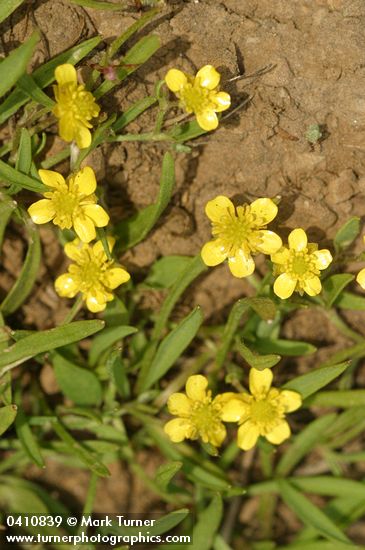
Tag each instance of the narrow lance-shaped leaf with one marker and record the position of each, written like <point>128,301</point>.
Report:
<point>7,417</point>
<point>256,361</point>
<point>15,64</point>
<point>206,526</point>
<point>27,439</point>
<point>333,286</point>
<point>11,175</point>
<point>78,384</point>
<point>347,234</point>
<point>312,381</point>
<point>7,7</point>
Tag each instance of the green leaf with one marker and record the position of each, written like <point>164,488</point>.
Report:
<point>334,285</point>
<point>20,499</point>
<point>166,472</point>
<point>27,439</point>
<point>24,155</point>
<point>133,112</point>
<point>107,337</point>
<point>11,175</point>
<point>343,399</point>
<point>98,5</point>
<point>137,25</point>
<point>347,234</point>
<point>25,281</point>
<point>171,348</point>
<point>29,87</point>
<point>330,486</point>
<point>7,7</point>
<point>7,207</point>
<point>7,417</point>
<point>78,384</point>
<point>348,300</point>
<point>310,514</point>
<point>45,341</point>
<point>313,433</point>
<point>186,131</point>
<point>44,75</point>
<point>207,525</point>
<point>135,229</point>
<point>256,361</point>
<point>165,271</point>
<point>15,64</point>
<point>159,527</point>
<point>291,348</point>
<point>119,374</point>
<point>312,381</point>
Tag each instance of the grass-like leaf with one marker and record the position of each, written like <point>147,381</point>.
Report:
<point>78,384</point>
<point>15,64</point>
<point>7,417</point>
<point>7,7</point>
<point>312,381</point>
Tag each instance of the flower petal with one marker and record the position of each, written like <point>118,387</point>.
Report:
<point>361,278</point>
<point>260,381</point>
<point>85,181</point>
<point>297,240</point>
<point>66,127</point>
<point>213,253</point>
<point>96,301</point>
<point>208,77</point>
<point>179,404</point>
<point>291,400</point>
<point>66,286</point>
<point>265,210</point>
<point>175,80</point>
<point>222,101</point>
<point>97,214</point>
<point>65,74</point>
<point>207,120</point>
<point>82,136</point>
<point>312,286</point>
<point>42,211</point>
<point>196,386</point>
<point>279,433</point>
<point>241,265</point>
<point>84,228</point>
<point>74,249</point>
<point>179,429</point>
<point>235,411</point>
<point>218,435</point>
<point>51,179</point>
<point>98,248</point>
<point>281,256</point>
<point>219,207</point>
<point>323,258</point>
<point>284,286</point>
<point>247,436</point>
<point>114,277</point>
<point>270,242</point>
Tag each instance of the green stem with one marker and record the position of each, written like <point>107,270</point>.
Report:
<point>336,320</point>
<point>73,311</point>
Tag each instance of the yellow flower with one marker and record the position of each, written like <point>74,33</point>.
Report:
<point>240,232</point>
<point>262,412</point>
<point>199,94</point>
<point>199,414</point>
<point>92,274</point>
<point>71,203</point>
<point>299,265</point>
<point>361,278</point>
<point>75,106</point>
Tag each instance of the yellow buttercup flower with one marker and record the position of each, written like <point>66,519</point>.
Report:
<point>71,203</point>
<point>299,265</point>
<point>199,414</point>
<point>200,94</point>
<point>92,274</point>
<point>75,106</point>
<point>239,233</point>
<point>262,412</point>
<point>361,275</point>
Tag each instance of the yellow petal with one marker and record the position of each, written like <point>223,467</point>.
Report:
<point>298,240</point>
<point>66,128</point>
<point>179,429</point>
<point>281,256</point>
<point>66,286</point>
<point>323,258</point>
<point>42,211</point>
<point>208,77</point>
<point>73,249</point>
<point>241,265</point>
<point>279,433</point>
<point>65,74</point>
<point>222,101</point>
<point>179,404</point>
<point>84,228</point>
<point>260,381</point>
<point>213,253</point>
<point>115,277</point>
<point>98,247</point>
<point>361,278</point>
<point>85,181</point>
<point>196,386</point>
<point>235,411</point>
<point>284,286</point>
<point>82,136</point>
<point>51,179</point>
<point>217,436</point>
<point>219,207</point>
<point>312,286</point>
<point>175,80</point>
<point>290,399</point>
<point>265,210</point>
<point>97,214</point>
<point>247,436</point>
<point>207,120</point>
<point>96,301</point>
<point>270,242</point>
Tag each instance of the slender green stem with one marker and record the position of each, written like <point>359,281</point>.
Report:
<point>74,310</point>
<point>336,320</point>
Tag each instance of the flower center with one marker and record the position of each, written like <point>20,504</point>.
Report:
<point>300,265</point>
<point>263,411</point>
<point>205,418</point>
<point>236,231</point>
<point>89,272</point>
<point>195,98</point>
<point>75,100</point>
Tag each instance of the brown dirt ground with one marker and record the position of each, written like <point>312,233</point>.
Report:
<point>317,47</point>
